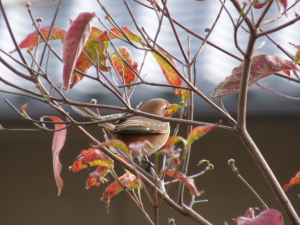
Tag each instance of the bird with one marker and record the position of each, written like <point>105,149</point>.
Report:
<point>136,128</point>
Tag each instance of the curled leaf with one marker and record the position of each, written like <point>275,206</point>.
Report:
<point>97,177</point>
<point>129,181</point>
<point>187,181</point>
<point>57,144</point>
<point>293,181</point>
<point>262,66</point>
<point>89,158</point>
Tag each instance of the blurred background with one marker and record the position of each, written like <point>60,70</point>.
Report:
<point>28,190</point>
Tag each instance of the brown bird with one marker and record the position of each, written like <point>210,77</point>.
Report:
<point>136,128</point>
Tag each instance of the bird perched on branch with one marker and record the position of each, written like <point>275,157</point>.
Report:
<point>136,128</point>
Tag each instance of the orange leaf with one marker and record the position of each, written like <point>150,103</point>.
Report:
<point>172,77</point>
<point>58,142</point>
<point>31,40</point>
<point>198,132</point>
<point>132,36</point>
<point>89,158</point>
<point>174,140</point>
<point>139,149</point>
<point>293,181</point>
<point>122,67</point>
<point>189,182</point>
<point>128,180</point>
<point>73,44</point>
<point>262,66</point>
<point>172,109</point>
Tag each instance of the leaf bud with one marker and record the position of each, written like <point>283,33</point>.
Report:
<point>231,162</point>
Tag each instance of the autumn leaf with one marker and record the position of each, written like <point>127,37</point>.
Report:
<point>131,35</point>
<point>189,182</point>
<point>129,181</point>
<point>293,181</point>
<point>259,4</point>
<point>266,217</point>
<point>174,140</point>
<point>97,177</point>
<point>57,144</point>
<point>262,66</point>
<point>89,158</point>
<point>31,40</point>
<point>297,56</point>
<point>73,44</point>
<point>122,67</point>
<point>139,149</point>
<point>172,109</point>
<point>117,144</point>
<point>172,77</point>
<point>198,132</point>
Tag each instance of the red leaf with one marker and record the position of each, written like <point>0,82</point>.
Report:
<point>122,67</point>
<point>293,181</point>
<point>187,181</point>
<point>31,39</point>
<point>172,77</point>
<point>89,158</point>
<point>58,142</point>
<point>128,180</point>
<point>83,64</point>
<point>266,217</point>
<point>258,4</point>
<point>97,177</point>
<point>74,41</point>
<point>284,4</point>
<point>262,66</point>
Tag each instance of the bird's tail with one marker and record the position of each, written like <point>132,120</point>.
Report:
<point>87,113</point>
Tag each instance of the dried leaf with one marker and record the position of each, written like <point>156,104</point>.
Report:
<point>74,41</point>
<point>293,181</point>
<point>262,66</point>
<point>58,142</point>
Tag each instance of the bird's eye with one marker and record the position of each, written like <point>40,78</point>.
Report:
<point>166,107</point>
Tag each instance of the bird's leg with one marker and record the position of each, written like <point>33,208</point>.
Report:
<point>149,164</point>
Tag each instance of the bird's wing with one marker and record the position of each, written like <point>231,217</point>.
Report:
<point>141,125</point>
